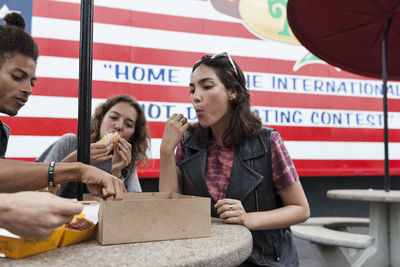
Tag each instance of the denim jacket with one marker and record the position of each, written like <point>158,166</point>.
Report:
<point>251,183</point>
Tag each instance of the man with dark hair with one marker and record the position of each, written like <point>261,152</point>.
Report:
<point>35,214</point>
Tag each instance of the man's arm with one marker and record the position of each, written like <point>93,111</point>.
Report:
<point>23,176</point>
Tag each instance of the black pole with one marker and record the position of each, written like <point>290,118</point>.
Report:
<point>385,105</point>
<point>85,86</point>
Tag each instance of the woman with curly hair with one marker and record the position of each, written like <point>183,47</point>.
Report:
<point>121,114</point>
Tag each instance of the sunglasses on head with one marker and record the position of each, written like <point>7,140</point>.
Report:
<point>222,54</point>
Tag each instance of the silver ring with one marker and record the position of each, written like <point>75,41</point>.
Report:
<point>230,206</point>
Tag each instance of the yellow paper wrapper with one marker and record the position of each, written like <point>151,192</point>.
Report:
<point>16,247</point>
<point>70,236</point>
<point>19,247</point>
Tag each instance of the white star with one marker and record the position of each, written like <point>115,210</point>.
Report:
<point>4,11</point>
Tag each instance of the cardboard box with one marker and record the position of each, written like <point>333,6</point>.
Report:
<point>142,217</point>
<point>16,247</point>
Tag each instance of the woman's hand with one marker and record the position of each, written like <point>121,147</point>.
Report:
<point>122,157</point>
<point>295,210</point>
<point>232,211</point>
<point>174,129</point>
<point>100,152</point>
<point>170,175</point>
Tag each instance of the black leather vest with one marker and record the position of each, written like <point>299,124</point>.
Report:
<point>251,183</point>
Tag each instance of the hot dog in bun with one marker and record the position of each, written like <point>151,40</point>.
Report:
<point>112,138</point>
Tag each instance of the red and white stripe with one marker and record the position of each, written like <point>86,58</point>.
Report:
<point>172,35</point>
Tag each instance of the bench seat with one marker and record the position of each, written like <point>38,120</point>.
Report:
<point>322,235</point>
<point>335,244</point>
<point>337,222</point>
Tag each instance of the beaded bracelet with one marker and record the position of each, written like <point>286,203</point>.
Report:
<point>50,175</point>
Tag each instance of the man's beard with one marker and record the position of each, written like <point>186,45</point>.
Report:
<point>8,112</point>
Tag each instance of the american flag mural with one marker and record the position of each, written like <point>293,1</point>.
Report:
<point>331,120</point>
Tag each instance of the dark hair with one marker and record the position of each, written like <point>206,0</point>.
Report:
<point>14,39</point>
<point>242,123</point>
<point>140,140</point>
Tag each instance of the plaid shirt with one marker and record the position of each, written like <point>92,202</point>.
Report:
<point>220,161</point>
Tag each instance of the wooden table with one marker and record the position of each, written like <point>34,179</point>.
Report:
<point>384,224</point>
<point>228,245</point>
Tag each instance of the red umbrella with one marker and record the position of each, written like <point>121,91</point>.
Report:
<point>355,36</point>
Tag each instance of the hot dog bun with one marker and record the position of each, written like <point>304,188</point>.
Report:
<point>112,138</point>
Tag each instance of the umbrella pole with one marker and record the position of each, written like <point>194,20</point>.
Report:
<point>385,105</point>
<point>85,86</point>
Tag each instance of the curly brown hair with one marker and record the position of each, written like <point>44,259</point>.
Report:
<point>242,123</point>
<point>14,39</point>
<point>140,140</point>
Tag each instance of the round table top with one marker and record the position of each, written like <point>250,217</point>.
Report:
<point>371,195</point>
<point>228,245</point>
